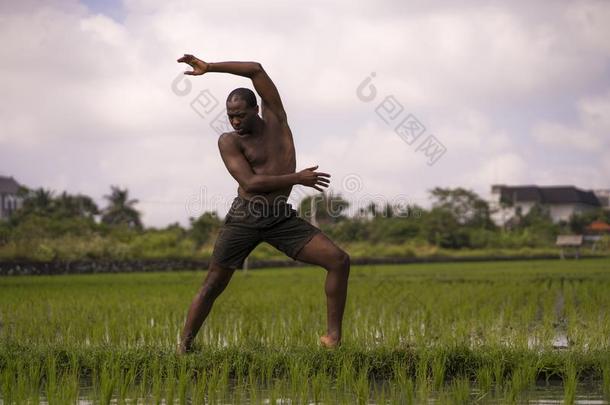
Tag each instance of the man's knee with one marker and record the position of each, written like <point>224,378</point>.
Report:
<point>217,280</point>
<point>213,287</point>
<point>340,261</point>
<point>346,261</point>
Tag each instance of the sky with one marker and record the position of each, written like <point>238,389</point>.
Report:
<point>393,98</point>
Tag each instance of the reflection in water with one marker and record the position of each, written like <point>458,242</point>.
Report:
<point>589,393</point>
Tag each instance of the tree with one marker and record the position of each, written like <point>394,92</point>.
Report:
<point>388,210</point>
<point>75,206</point>
<point>579,222</point>
<point>120,209</point>
<point>465,205</point>
<point>329,207</point>
<point>203,227</point>
<point>370,211</point>
<point>43,203</point>
<point>441,228</point>
<point>349,230</point>
<point>537,216</point>
<point>5,232</point>
<point>39,201</point>
<point>538,224</point>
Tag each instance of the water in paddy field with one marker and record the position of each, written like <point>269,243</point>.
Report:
<point>586,393</point>
<point>590,393</point>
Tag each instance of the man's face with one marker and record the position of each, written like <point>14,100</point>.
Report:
<point>241,116</point>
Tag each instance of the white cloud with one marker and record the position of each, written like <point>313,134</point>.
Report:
<point>87,100</point>
<point>590,134</point>
<point>595,114</point>
<point>557,135</point>
<point>104,30</point>
<point>503,168</point>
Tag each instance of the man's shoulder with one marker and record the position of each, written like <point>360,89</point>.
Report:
<point>228,139</point>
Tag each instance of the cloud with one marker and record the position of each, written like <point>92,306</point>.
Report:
<point>591,134</point>
<point>87,100</point>
<point>561,136</point>
<point>504,168</point>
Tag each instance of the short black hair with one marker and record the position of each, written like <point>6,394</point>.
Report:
<point>245,94</point>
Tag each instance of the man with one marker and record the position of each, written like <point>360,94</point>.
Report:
<point>260,155</point>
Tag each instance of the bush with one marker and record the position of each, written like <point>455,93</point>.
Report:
<point>170,243</point>
<point>204,227</point>
<point>349,230</point>
<point>5,233</point>
<point>35,226</point>
<point>394,230</point>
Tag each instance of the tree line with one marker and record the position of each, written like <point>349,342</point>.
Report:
<point>49,226</point>
<point>458,218</point>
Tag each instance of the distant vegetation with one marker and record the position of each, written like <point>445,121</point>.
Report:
<point>72,227</point>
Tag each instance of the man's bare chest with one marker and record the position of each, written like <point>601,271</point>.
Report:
<point>268,152</point>
<point>257,155</point>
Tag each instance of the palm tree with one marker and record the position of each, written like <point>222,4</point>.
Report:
<point>39,201</point>
<point>120,209</point>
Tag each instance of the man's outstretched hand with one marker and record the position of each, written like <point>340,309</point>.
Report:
<point>199,66</point>
<point>310,178</point>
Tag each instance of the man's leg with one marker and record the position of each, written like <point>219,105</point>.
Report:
<point>214,284</point>
<point>323,252</point>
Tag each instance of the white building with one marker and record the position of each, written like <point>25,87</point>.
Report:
<point>561,201</point>
<point>9,200</point>
<point>604,198</point>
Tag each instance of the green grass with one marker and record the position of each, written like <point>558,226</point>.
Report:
<point>456,332</point>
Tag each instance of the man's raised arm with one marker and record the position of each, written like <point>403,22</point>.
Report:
<point>262,82</point>
<point>252,182</point>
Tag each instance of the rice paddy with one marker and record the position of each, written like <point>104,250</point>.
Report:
<point>492,332</point>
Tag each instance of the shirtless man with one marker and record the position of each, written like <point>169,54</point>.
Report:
<point>260,155</point>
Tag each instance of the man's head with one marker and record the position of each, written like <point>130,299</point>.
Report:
<point>242,110</point>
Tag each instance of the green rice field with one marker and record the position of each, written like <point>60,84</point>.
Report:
<point>489,332</point>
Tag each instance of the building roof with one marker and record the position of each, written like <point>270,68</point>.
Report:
<point>547,195</point>
<point>569,240</point>
<point>8,185</point>
<point>598,226</point>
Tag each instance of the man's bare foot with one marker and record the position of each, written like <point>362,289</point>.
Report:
<point>330,342</point>
<point>183,349</point>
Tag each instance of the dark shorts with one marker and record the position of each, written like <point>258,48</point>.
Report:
<point>250,222</point>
